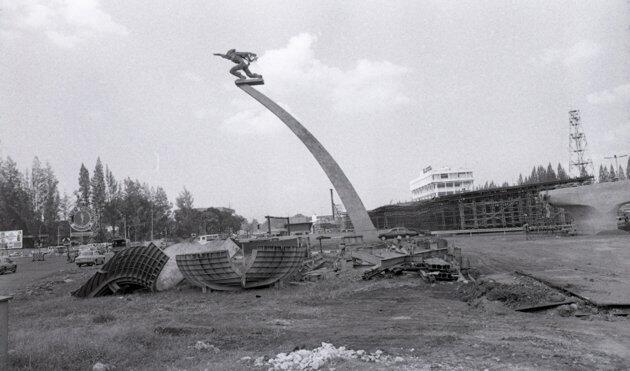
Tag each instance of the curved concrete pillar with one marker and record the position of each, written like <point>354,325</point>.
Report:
<point>593,207</point>
<point>358,215</point>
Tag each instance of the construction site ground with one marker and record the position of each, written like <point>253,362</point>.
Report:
<point>416,324</point>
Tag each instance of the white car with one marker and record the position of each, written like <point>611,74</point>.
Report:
<point>89,257</point>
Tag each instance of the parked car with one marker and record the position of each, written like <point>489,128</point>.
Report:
<point>7,265</point>
<point>89,257</point>
<point>398,231</point>
<point>119,244</point>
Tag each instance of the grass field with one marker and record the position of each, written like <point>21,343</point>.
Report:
<point>426,326</point>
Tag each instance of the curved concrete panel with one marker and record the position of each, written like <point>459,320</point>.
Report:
<point>594,207</point>
<point>170,275</point>
<point>268,263</point>
<point>356,210</point>
<point>128,270</point>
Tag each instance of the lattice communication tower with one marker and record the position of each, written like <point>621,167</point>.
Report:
<point>577,146</point>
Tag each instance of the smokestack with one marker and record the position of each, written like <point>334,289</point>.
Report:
<point>332,203</point>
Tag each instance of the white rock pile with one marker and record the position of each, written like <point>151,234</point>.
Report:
<point>304,359</point>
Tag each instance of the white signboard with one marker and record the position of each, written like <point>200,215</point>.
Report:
<point>10,240</point>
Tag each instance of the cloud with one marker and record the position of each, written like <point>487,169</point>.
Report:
<point>65,23</point>
<point>369,86</point>
<point>580,52</point>
<point>619,94</point>
<point>254,121</point>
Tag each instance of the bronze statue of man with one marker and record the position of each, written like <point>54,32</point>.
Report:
<point>242,60</point>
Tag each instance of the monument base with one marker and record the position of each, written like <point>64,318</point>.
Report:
<point>258,81</point>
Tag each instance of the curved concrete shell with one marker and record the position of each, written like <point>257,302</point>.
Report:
<point>170,275</point>
<point>128,270</point>
<point>267,263</point>
<point>594,207</point>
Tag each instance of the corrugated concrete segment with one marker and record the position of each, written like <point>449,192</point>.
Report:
<point>171,275</point>
<point>269,262</point>
<point>130,269</point>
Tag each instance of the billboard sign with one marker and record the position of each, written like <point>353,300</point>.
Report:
<point>10,240</point>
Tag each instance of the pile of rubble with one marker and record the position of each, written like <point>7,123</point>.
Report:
<point>431,259</point>
<point>304,359</point>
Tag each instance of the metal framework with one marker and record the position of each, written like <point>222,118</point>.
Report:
<point>499,208</point>
<point>128,270</point>
<point>577,146</point>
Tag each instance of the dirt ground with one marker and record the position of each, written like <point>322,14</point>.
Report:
<point>416,325</point>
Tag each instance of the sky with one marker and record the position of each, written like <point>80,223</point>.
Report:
<point>388,87</point>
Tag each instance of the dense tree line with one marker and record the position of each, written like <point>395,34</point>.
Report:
<point>30,201</point>
<point>190,220</point>
<point>542,174</point>
<point>608,174</point>
<point>539,174</point>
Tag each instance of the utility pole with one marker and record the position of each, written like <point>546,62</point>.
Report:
<point>151,221</point>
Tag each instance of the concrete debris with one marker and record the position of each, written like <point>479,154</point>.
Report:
<point>202,345</point>
<point>432,265</point>
<point>567,310</point>
<point>98,366</point>
<point>304,359</point>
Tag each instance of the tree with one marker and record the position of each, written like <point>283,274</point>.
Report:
<point>551,174</point>
<point>612,175</point>
<point>38,187</point>
<point>533,177</point>
<point>185,200</point>
<point>65,207</point>
<point>541,174</point>
<point>16,207</point>
<point>185,216</point>
<point>628,169</point>
<point>604,175</point>
<point>520,179</point>
<point>562,174</point>
<point>84,185</point>
<point>161,212</point>
<point>98,189</point>
<point>620,173</point>
<point>50,212</point>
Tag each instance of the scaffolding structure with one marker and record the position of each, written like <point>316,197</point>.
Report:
<point>577,146</point>
<point>490,209</point>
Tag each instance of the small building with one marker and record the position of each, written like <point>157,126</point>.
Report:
<point>441,182</point>
<point>297,225</point>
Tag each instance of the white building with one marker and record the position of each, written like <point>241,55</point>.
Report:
<point>440,182</point>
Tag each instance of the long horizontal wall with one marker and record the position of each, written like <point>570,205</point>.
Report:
<point>505,207</point>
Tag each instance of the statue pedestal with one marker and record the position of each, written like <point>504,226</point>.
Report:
<point>258,81</point>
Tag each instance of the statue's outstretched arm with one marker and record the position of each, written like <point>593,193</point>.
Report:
<point>221,55</point>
